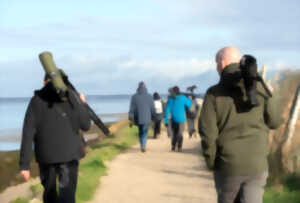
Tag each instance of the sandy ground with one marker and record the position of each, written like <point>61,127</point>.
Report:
<point>158,176</point>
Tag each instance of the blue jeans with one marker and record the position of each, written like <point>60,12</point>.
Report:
<point>143,134</point>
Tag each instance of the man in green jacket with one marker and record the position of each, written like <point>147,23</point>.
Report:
<point>234,137</point>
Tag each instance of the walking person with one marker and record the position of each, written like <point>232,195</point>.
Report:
<point>234,135</point>
<point>52,125</point>
<point>141,112</point>
<point>158,105</point>
<point>191,115</point>
<point>176,106</point>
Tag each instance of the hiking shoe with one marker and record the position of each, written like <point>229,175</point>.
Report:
<point>143,149</point>
<point>179,149</point>
<point>173,149</point>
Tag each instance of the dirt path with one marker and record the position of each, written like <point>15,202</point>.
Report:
<point>21,190</point>
<point>158,176</point>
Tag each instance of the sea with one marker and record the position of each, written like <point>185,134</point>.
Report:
<point>110,108</point>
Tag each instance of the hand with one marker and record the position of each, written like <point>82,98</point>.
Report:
<point>25,174</point>
<point>82,97</point>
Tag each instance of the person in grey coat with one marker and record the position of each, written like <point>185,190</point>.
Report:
<point>141,112</point>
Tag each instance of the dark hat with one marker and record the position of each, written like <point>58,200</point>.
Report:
<point>156,96</point>
<point>176,90</point>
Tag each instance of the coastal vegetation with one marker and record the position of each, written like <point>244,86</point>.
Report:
<point>284,175</point>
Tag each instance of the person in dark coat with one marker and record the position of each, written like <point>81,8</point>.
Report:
<point>141,112</point>
<point>52,126</point>
<point>234,135</point>
<point>158,105</point>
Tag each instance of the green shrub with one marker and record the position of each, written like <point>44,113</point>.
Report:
<point>36,189</point>
<point>21,200</point>
<point>289,194</point>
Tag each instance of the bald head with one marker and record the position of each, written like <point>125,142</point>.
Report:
<point>226,56</point>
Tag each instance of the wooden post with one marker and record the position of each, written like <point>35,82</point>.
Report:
<point>294,113</point>
<point>264,72</point>
<point>291,124</point>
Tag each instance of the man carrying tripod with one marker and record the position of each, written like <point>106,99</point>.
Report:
<point>52,124</point>
<point>234,129</point>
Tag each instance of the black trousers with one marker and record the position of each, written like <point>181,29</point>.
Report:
<point>156,127</point>
<point>177,135</point>
<point>67,174</point>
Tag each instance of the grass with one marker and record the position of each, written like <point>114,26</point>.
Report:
<point>21,200</point>
<point>93,165</point>
<point>290,193</point>
<point>36,189</point>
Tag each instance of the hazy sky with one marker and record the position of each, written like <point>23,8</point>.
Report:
<point>107,47</point>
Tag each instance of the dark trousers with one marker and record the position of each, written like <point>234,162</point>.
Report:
<point>240,189</point>
<point>156,127</point>
<point>67,178</point>
<point>177,137</point>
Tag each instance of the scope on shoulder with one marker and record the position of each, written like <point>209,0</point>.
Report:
<point>51,70</point>
<point>250,75</point>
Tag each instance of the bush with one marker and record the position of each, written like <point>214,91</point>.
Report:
<point>21,200</point>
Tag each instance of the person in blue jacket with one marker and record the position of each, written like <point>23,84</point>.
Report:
<point>141,112</point>
<point>176,106</point>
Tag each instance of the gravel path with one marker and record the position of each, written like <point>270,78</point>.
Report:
<point>158,176</point>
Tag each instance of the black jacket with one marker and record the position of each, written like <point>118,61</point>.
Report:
<point>52,126</point>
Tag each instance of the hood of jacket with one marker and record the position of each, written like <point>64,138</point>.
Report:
<point>48,93</point>
<point>231,77</point>
<point>142,90</point>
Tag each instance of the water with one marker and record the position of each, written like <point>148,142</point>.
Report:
<point>12,111</point>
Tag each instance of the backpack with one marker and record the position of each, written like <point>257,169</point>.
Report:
<point>158,106</point>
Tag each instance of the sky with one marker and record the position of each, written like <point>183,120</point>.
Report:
<point>108,47</point>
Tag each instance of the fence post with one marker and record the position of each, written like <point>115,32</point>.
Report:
<point>291,124</point>
<point>294,113</point>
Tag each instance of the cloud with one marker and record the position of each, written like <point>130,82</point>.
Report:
<point>100,75</point>
<point>94,74</point>
<point>175,43</point>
